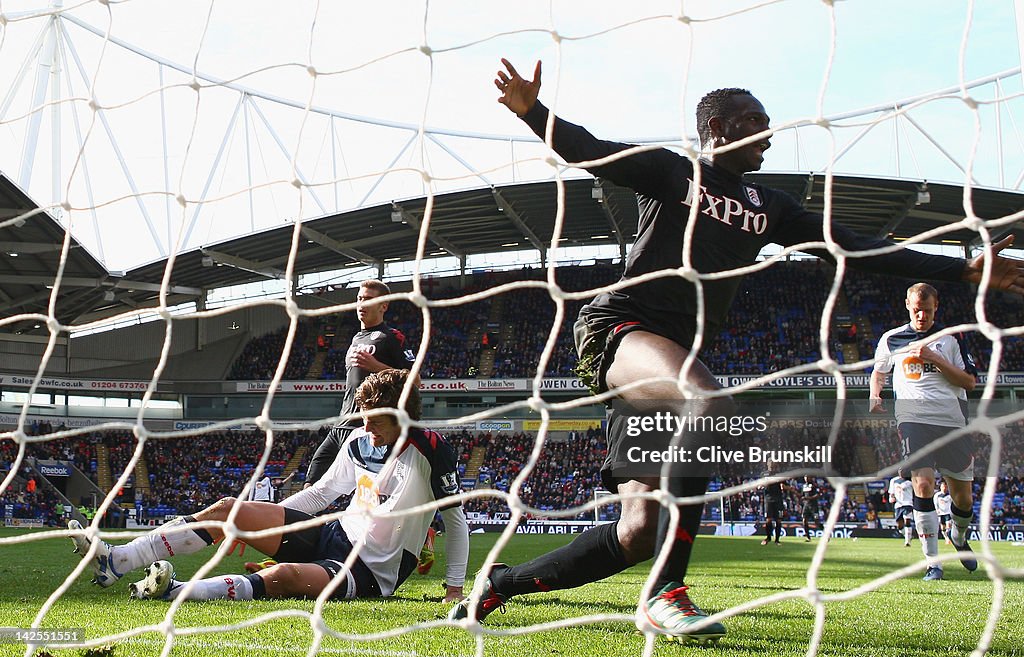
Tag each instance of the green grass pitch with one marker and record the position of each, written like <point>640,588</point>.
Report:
<point>907,617</point>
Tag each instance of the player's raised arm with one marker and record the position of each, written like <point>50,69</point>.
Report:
<point>517,93</point>
<point>806,226</point>
<point>1007,273</point>
<point>649,172</point>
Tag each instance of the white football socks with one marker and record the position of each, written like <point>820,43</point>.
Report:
<point>168,540</point>
<point>222,587</point>
<point>928,531</point>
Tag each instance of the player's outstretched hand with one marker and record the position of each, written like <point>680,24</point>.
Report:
<point>517,94</point>
<point>1007,273</point>
<point>876,406</point>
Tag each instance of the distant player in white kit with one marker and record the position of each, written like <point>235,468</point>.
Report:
<point>901,494</point>
<point>263,491</point>
<point>931,379</point>
<point>943,507</point>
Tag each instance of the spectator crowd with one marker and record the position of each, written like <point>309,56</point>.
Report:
<point>774,323</point>
<point>186,474</point>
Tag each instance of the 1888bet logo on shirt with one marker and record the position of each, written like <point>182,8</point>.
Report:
<point>914,368</point>
<point>367,495</point>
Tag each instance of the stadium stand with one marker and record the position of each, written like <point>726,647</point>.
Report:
<point>774,325</point>
<point>189,473</point>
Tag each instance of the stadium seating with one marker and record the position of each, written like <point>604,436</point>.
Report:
<point>773,324</point>
<point>187,474</point>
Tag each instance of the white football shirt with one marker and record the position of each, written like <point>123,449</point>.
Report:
<point>424,471</point>
<point>902,491</point>
<point>263,491</point>
<point>923,393</point>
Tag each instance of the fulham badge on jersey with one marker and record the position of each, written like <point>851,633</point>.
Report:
<point>753,195</point>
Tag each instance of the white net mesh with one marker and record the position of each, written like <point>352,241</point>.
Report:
<point>226,148</point>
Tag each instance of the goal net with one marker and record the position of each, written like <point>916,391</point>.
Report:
<point>149,133</point>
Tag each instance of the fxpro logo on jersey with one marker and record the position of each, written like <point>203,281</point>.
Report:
<point>728,210</point>
<point>914,368</point>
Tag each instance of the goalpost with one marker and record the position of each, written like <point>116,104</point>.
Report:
<point>169,182</point>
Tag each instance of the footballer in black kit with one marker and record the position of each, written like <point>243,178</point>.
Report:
<point>809,494</point>
<point>646,330</point>
<point>383,342</point>
<point>773,506</point>
<point>375,347</point>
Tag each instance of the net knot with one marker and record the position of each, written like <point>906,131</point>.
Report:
<point>689,274</point>
<point>973,223</point>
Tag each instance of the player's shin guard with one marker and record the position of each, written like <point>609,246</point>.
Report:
<point>168,540</point>
<point>927,521</point>
<point>594,555</point>
<point>682,541</point>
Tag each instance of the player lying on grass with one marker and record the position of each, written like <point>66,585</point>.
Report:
<point>381,482</point>
<point>641,335</point>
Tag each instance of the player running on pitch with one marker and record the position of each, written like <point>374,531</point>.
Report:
<point>901,494</point>
<point>931,379</point>
<point>646,330</point>
<point>944,507</point>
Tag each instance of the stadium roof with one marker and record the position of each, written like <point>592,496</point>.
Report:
<point>488,220</point>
